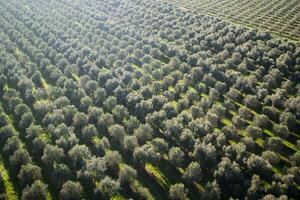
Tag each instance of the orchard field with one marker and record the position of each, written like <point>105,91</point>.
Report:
<point>141,99</point>
<point>281,17</point>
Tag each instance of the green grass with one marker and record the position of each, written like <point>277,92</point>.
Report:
<point>276,170</point>
<point>135,66</point>
<point>180,169</point>
<point>192,89</point>
<point>249,122</point>
<point>44,84</point>
<point>290,145</point>
<point>95,140</point>
<point>231,112</point>
<point>46,137</point>
<point>8,186</point>
<point>27,7</point>
<point>76,77</point>
<point>157,175</point>
<point>117,196</point>
<point>48,196</point>
<point>103,69</point>
<point>17,52</point>
<point>283,158</point>
<point>284,142</point>
<point>174,104</point>
<point>199,187</point>
<point>269,133</point>
<point>260,142</point>
<point>43,101</point>
<point>205,96</point>
<point>226,121</point>
<point>171,88</point>
<point>5,88</point>
<point>33,90</point>
<point>266,184</point>
<point>232,142</point>
<point>243,133</point>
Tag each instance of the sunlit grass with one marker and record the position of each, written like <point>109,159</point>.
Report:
<point>45,85</point>
<point>76,77</point>
<point>269,133</point>
<point>290,145</point>
<point>205,96</point>
<point>260,142</point>
<point>8,186</point>
<point>157,175</point>
<point>226,121</point>
<point>117,196</point>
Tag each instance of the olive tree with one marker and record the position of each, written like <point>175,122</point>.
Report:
<point>127,174</point>
<point>38,190</point>
<point>178,192</point>
<point>29,173</point>
<point>71,191</point>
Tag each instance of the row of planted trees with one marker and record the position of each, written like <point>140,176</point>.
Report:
<point>281,18</point>
<point>96,97</point>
